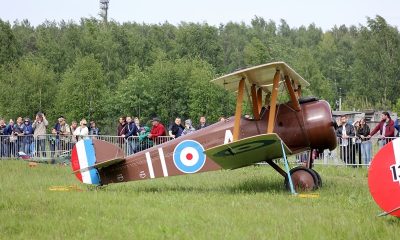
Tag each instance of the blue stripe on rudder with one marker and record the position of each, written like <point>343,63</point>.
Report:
<point>91,158</point>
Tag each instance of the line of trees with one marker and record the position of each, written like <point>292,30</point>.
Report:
<point>103,71</point>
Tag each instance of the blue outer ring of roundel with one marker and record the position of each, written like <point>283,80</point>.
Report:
<point>200,150</point>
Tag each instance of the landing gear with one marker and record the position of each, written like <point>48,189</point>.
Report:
<point>304,179</point>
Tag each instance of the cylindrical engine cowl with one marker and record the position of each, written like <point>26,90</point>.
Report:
<point>319,125</point>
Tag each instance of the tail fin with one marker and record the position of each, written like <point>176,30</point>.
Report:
<point>23,155</point>
<point>86,156</point>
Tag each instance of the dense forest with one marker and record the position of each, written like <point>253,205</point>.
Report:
<point>102,70</point>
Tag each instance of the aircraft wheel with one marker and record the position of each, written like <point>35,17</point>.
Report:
<point>304,179</point>
<point>319,180</point>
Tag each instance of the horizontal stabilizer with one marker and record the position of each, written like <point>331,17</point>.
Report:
<point>247,151</point>
<point>100,165</point>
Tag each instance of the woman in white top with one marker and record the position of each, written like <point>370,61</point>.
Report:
<point>82,131</point>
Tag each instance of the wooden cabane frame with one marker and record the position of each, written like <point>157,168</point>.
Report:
<point>263,79</point>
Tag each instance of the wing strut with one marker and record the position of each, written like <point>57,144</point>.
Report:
<point>299,91</point>
<point>254,99</point>
<point>259,99</point>
<point>274,96</point>
<point>238,112</point>
<point>293,98</point>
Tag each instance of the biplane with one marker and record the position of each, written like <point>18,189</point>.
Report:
<point>274,130</point>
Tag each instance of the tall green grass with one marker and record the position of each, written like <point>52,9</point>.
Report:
<point>248,203</point>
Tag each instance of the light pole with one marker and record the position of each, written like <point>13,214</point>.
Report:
<point>104,9</point>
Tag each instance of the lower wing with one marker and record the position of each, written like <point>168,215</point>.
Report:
<point>248,151</point>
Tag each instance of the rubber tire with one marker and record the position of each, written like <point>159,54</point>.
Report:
<point>306,170</point>
<point>318,177</point>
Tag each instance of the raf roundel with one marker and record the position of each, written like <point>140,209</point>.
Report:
<point>189,156</point>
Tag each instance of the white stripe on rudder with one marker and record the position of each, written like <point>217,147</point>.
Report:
<point>83,163</point>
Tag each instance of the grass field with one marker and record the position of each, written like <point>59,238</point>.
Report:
<point>248,203</point>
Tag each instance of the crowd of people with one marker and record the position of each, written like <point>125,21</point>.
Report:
<point>356,138</point>
<point>29,136</point>
<point>33,137</point>
<point>129,127</point>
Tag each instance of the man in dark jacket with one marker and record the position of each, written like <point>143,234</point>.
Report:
<point>2,138</point>
<point>121,131</point>
<point>397,126</point>
<point>93,130</point>
<point>385,128</point>
<point>131,135</point>
<point>11,139</point>
<point>346,133</point>
<point>176,129</point>
<point>28,137</point>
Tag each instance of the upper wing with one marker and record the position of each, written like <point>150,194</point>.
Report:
<point>247,151</point>
<point>261,75</point>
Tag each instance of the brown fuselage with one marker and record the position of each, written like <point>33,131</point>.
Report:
<point>310,128</point>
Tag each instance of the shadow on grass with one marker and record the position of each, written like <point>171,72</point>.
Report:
<point>257,185</point>
<point>393,220</point>
<point>253,185</point>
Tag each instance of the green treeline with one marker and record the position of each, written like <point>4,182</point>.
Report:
<point>100,71</point>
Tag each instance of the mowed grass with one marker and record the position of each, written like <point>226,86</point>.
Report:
<point>248,203</point>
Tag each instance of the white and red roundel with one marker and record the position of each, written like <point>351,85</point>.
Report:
<point>384,178</point>
<point>189,156</point>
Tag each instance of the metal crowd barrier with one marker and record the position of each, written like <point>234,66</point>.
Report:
<point>349,152</point>
<point>10,145</point>
<point>41,147</point>
<point>136,144</point>
<point>57,148</point>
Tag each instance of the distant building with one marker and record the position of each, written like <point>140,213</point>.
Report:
<point>377,116</point>
<point>370,116</point>
<point>352,115</point>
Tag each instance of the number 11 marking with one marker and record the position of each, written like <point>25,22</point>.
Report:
<point>395,172</point>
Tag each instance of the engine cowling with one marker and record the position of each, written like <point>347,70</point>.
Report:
<point>318,125</point>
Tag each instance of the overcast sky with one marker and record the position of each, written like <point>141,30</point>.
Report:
<point>324,14</point>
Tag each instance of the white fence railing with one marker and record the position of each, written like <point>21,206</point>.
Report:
<point>349,152</point>
<point>58,148</point>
